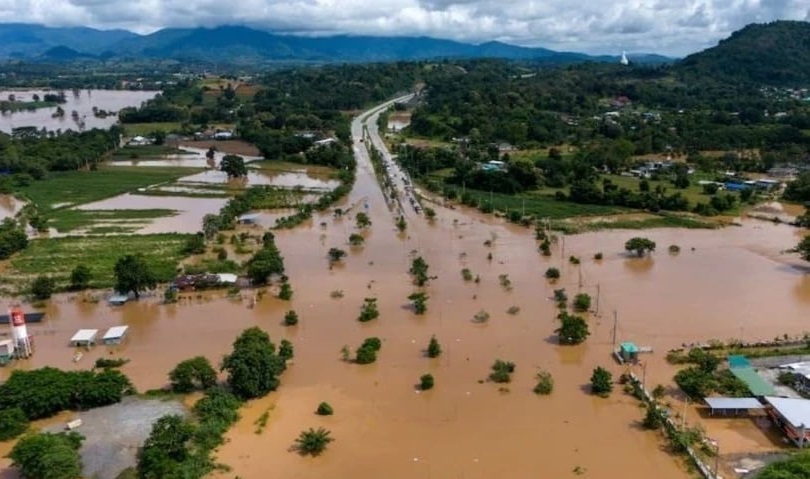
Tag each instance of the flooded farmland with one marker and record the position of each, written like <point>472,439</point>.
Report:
<point>733,282</point>
<point>82,101</point>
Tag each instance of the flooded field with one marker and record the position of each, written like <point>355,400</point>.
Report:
<point>188,219</point>
<point>83,103</point>
<point>733,282</point>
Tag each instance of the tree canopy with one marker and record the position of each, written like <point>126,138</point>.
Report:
<point>191,374</point>
<point>233,166</point>
<point>253,366</point>
<point>133,275</point>
<point>48,456</point>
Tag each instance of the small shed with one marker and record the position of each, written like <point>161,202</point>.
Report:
<point>628,352</point>
<point>248,219</point>
<point>115,335</point>
<point>117,299</point>
<point>84,337</point>
<point>227,278</point>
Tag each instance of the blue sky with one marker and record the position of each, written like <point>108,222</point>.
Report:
<point>672,27</point>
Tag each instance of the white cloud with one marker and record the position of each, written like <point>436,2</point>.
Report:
<point>674,27</point>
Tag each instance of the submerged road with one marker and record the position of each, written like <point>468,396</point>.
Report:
<point>364,123</point>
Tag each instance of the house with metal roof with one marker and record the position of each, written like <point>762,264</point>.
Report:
<point>792,416</point>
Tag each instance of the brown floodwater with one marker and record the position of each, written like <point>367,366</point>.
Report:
<point>188,219</point>
<point>82,103</point>
<point>733,282</point>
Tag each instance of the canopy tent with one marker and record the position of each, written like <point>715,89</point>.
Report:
<point>115,334</point>
<point>84,337</point>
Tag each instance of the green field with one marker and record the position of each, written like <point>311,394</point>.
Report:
<point>58,257</point>
<point>71,188</point>
<point>144,129</point>
<point>542,205</point>
<point>315,171</point>
<point>119,221</point>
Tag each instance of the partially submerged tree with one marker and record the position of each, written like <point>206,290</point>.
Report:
<point>639,246</point>
<point>336,254</point>
<point>426,382</point>
<point>434,349</point>
<point>573,329</point>
<point>369,310</point>
<point>502,371</point>
<point>324,409</point>
<point>545,383</point>
<point>356,239</point>
<point>367,352</point>
<point>418,301</point>
<point>362,219</point>
<point>313,441</point>
<point>290,318</point>
<point>43,287</point>
<point>253,367</point>
<point>233,166</point>
<point>133,275</point>
<point>419,271</point>
<point>601,382</point>
<point>191,374</point>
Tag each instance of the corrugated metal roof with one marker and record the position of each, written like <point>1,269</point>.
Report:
<point>116,332</point>
<point>629,347</point>
<point>795,411</point>
<point>84,335</point>
<point>735,361</point>
<point>733,403</point>
<point>755,383</point>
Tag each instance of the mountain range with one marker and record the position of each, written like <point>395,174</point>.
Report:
<point>238,44</point>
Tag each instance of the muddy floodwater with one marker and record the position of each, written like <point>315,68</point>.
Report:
<point>728,283</point>
<point>82,102</point>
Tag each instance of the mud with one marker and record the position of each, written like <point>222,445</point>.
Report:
<point>734,282</point>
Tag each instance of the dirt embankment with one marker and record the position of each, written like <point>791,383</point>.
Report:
<point>233,147</point>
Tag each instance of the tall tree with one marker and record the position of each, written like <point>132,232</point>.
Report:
<point>48,456</point>
<point>253,367</point>
<point>233,166</point>
<point>132,274</point>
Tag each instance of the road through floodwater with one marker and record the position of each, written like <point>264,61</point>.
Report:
<point>734,282</point>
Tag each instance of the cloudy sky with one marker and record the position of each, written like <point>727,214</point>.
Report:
<point>673,27</point>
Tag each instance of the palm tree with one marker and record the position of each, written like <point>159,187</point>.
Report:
<point>313,441</point>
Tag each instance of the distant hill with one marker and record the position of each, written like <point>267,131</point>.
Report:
<point>776,53</point>
<point>236,44</point>
<point>22,40</point>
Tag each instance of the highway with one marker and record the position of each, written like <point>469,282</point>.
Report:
<point>364,129</point>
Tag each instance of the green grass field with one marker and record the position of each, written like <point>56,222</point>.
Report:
<point>543,205</point>
<point>144,129</point>
<point>58,257</point>
<point>121,221</point>
<point>315,171</point>
<point>71,188</point>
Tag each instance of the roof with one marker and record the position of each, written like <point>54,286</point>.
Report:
<point>84,335</point>
<point>227,277</point>
<point>118,298</point>
<point>629,347</point>
<point>755,383</point>
<point>115,332</point>
<point>795,411</point>
<point>249,217</point>
<point>736,361</point>
<point>733,403</point>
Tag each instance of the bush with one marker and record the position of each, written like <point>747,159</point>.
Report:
<point>573,260</point>
<point>285,350</point>
<point>582,302</point>
<point>367,352</point>
<point>191,374</point>
<point>290,318</point>
<point>545,383</point>
<point>426,382</point>
<point>356,239</point>
<point>336,254</point>
<point>313,442</point>
<point>552,273</point>
<point>434,349</point>
<point>597,256</point>
<point>601,382</point>
<point>80,278</point>
<point>285,292</point>
<point>43,287</point>
<point>572,330</point>
<point>104,363</point>
<point>502,371</point>
<point>369,310</point>
<point>12,423</point>
<point>324,409</point>
<point>466,274</point>
<point>674,249</point>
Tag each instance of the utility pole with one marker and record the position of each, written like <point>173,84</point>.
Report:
<point>615,326</point>
<point>716,459</point>
<point>579,270</point>
<point>597,299</point>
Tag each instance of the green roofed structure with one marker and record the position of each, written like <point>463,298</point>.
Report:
<point>742,369</point>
